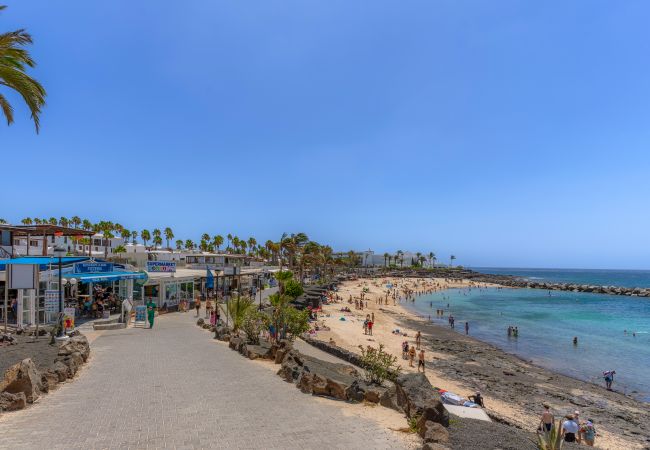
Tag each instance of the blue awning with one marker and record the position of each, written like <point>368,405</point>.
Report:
<point>43,261</point>
<point>105,276</point>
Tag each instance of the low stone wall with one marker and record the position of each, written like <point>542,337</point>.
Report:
<point>23,383</point>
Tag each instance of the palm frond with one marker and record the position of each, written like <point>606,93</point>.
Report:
<point>7,109</point>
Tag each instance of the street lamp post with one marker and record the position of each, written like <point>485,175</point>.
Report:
<point>59,252</point>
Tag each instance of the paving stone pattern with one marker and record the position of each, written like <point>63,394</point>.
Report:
<point>174,387</point>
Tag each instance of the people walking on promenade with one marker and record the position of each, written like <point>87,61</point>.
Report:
<point>208,308</point>
<point>197,305</point>
<point>151,312</point>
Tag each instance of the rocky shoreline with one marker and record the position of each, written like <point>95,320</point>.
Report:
<point>508,378</point>
<point>518,282</point>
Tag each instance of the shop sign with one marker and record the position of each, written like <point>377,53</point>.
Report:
<point>161,266</point>
<point>51,301</point>
<point>93,267</point>
<point>68,318</point>
<point>140,313</point>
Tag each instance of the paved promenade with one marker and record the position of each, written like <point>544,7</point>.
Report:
<point>174,387</point>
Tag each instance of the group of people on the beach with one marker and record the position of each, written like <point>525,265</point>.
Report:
<point>409,352</point>
<point>571,428</point>
<point>368,324</point>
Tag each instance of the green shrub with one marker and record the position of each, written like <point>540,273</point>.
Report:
<point>297,322</point>
<point>293,288</point>
<point>252,323</point>
<point>378,364</point>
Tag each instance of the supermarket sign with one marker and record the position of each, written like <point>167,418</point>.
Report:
<point>161,266</point>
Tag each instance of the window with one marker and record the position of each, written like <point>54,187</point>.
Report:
<point>33,243</point>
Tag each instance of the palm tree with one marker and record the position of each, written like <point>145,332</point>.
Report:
<point>169,235</point>
<point>76,221</point>
<point>417,256</point>
<point>86,225</point>
<point>145,235</point>
<point>157,233</point>
<point>229,237</point>
<point>386,256</point>
<point>108,235</point>
<point>37,221</point>
<point>189,244</point>
<point>157,241</point>
<point>26,221</point>
<point>119,250</point>
<point>3,221</point>
<point>252,242</point>
<point>134,236</point>
<point>53,221</point>
<point>432,259</point>
<point>451,260</point>
<point>126,234</point>
<point>179,244</point>
<point>14,61</point>
<point>400,257</point>
<point>217,241</point>
<point>205,237</point>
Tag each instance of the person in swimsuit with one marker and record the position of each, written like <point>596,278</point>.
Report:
<point>421,360</point>
<point>547,421</point>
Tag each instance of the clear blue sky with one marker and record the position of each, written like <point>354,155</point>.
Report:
<point>510,133</point>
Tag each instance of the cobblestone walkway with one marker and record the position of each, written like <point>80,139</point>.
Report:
<point>174,387</point>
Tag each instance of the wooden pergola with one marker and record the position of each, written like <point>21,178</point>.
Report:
<point>45,231</point>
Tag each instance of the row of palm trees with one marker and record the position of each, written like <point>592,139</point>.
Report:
<point>419,259</point>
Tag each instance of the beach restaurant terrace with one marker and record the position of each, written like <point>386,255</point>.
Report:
<point>79,275</point>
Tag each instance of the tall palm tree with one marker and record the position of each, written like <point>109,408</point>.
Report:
<point>157,241</point>
<point>76,221</point>
<point>3,221</point>
<point>63,221</point>
<point>14,61</point>
<point>229,237</point>
<point>125,234</point>
<point>432,259</point>
<point>205,237</point>
<point>252,242</point>
<point>37,221</point>
<point>386,256</point>
<point>87,225</point>
<point>417,256</point>
<point>134,236</point>
<point>451,260</point>
<point>26,221</point>
<point>179,244</point>
<point>217,241</point>
<point>108,235</point>
<point>145,235</point>
<point>189,244</point>
<point>169,235</point>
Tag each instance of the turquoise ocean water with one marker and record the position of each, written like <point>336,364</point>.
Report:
<point>547,325</point>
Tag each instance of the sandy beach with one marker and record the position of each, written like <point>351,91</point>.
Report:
<point>514,389</point>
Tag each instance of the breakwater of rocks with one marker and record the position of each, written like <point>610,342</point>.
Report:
<point>518,282</point>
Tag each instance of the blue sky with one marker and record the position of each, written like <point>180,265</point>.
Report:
<point>510,133</point>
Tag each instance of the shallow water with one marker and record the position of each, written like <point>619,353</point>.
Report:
<point>547,325</point>
<point>623,278</point>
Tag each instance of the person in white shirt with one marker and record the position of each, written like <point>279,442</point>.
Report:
<point>570,428</point>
